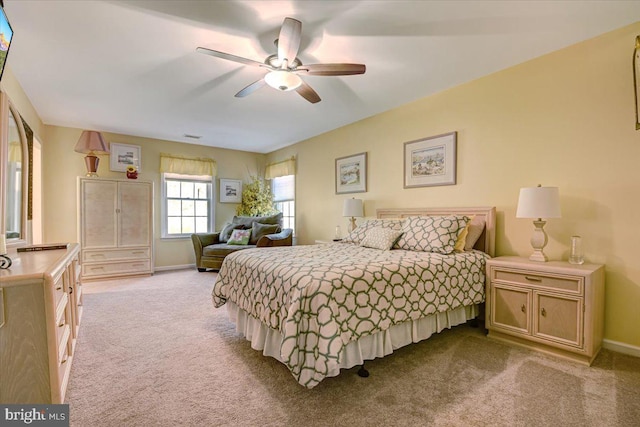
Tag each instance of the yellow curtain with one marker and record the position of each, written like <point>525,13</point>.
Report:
<point>284,168</point>
<point>170,163</point>
<point>15,151</point>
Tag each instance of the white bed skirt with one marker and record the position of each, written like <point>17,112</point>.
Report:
<point>355,353</point>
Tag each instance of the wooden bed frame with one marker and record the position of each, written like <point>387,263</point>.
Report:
<point>487,241</point>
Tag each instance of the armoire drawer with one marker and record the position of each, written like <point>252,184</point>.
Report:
<point>94,255</point>
<point>115,268</point>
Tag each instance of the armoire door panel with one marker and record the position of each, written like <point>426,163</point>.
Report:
<point>99,214</point>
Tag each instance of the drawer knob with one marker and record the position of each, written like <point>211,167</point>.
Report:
<point>523,308</point>
<point>58,288</point>
<point>544,312</point>
<point>533,279</point>
<point>61,325</point>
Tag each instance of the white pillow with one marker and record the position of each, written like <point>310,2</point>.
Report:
<point>380,238</point>
<point>361,231</point>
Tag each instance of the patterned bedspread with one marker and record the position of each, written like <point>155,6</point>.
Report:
<point>321,297</point>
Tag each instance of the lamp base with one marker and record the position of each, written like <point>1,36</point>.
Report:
<point>352,224</point>
<point>539,241</point>
<point>92,163</point>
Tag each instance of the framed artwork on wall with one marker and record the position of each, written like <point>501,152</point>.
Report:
<point>351,174</point>
<point>430,161</point>
<point>124,155</point>
<point>230,190</point>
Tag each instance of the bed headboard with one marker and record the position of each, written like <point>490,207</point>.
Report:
<point>486,242</point>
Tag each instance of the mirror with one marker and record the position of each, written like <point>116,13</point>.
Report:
<point>14,177</point>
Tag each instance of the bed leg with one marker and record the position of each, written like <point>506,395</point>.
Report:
<point>362,372</point>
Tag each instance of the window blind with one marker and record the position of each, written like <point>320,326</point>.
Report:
<point>283,188</point>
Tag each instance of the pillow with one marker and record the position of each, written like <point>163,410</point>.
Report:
<point>380,238</point>
<point>475,229</point>
<point>258,230</point>
<point>462,237</point>
<point>432,233</point>
<point>248,220</point>
<point>227,229</point>
<point>239,237</point>
<point>360,231</point>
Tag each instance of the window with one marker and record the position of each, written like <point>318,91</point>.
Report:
<point>187,205</point>
<point>283,189</point>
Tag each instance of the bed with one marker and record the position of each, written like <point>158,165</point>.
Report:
<point>322,308</point>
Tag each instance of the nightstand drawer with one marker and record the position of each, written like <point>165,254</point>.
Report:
<point>534,279</point>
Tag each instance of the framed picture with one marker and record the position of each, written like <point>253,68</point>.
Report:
<point>123,155</point>
<point>430,161</point>
<point>230,190</point>
<point>351,174</point>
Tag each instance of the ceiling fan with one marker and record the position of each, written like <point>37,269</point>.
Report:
<point>285,68</point>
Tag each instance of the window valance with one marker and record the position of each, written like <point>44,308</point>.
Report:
<point>283,168</point>
<point>170,163</point>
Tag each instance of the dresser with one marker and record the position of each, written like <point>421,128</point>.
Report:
<point>115,225</point>
<point>554,307</point>
<point>40,313</point>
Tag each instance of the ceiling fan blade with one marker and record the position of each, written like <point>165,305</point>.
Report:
<point>233,58</point>
<point>251,88</point>
<point>331,69</point>
<point>289,39</point>
<point>308,93</point>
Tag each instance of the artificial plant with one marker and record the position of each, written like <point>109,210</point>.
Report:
<point>257,199</point>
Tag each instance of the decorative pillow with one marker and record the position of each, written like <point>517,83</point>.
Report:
<point>462,237</point>
<point>380,238</point>
<point>432,233</point>
<point>361,231</point>
<point>248,220</point>
<point>258,230</point>
<point>475,229</point>
<point>227,229</point>
<point>239,237</point>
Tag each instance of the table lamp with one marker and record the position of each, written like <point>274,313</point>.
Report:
<point>538,202</point>
<point>352,208</point>
<point>91,143</point>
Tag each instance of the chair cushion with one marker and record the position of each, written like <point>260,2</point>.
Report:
<point>228,229</point>
<point>247,221</point>
<point>239,237</point>
<point>222,249</point>
<point>259,229</point>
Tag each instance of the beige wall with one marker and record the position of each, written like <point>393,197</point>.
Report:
<point>21,102</point>
<point>62,166</point>
<point>565,119</point>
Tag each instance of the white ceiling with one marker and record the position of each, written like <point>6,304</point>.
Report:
<point>131,67</point>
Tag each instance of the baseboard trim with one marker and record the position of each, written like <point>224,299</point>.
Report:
<point>174,267</point>
<point>621,347</point>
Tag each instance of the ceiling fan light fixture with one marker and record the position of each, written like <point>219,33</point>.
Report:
<point>283,80</point>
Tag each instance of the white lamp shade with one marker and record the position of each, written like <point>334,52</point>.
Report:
<point>283,80</point>
<point>91,142</point>
<point>353,207</point>
<point>539,202</point>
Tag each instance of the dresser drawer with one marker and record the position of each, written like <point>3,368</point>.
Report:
<point>62,319</point>
<point>58,291</point>
<point>116,268</point>
<point>540,280</point>
<point>91,255</point>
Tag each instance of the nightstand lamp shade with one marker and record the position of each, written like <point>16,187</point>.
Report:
<point>353,208</point>
<point>539,202</point>
<point>91,143</point>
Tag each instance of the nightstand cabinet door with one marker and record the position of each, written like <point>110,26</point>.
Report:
<point>559,318</point>
<point>511,309</point>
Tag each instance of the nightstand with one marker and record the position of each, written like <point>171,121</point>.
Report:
<point>554,307</point>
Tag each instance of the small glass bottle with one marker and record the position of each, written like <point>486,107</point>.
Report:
<point>576,256</point>
<point>338,234</point>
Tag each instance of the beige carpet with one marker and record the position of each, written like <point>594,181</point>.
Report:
<point>154,351</point>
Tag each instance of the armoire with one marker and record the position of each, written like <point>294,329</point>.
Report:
<point>115,225</point>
